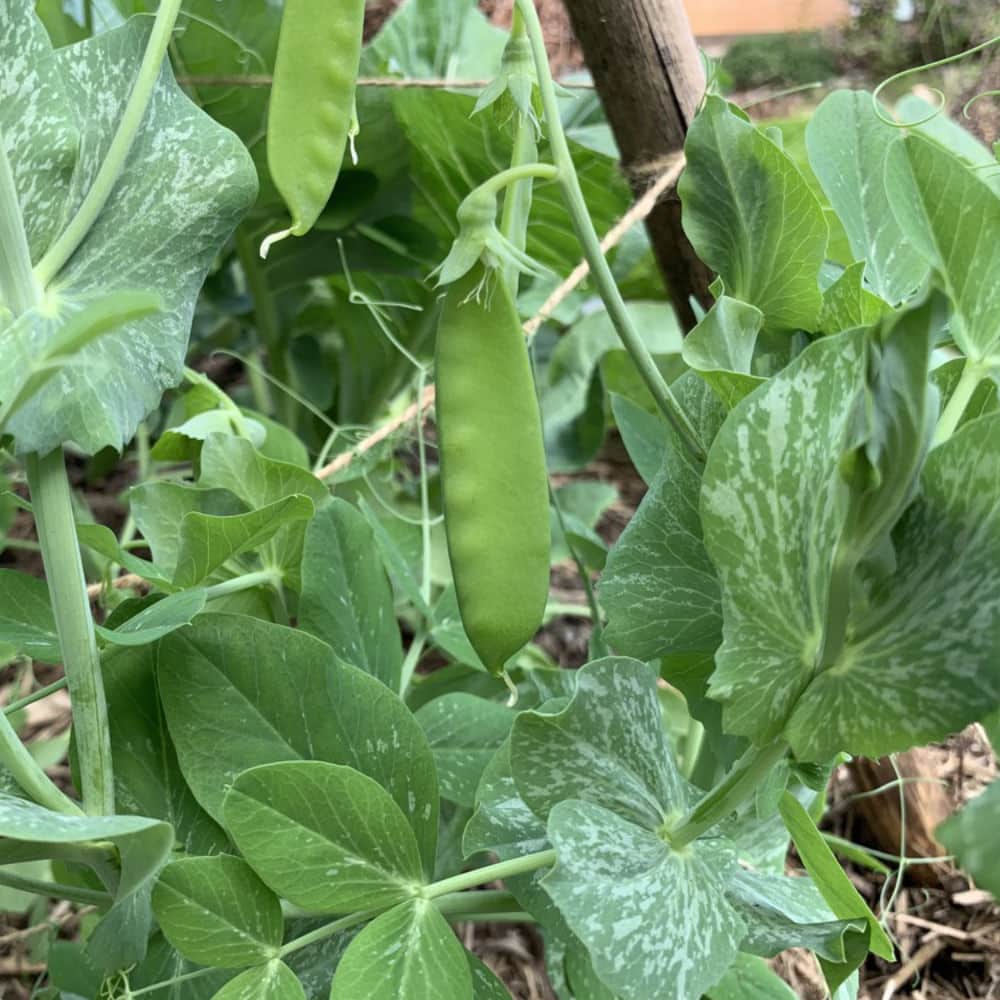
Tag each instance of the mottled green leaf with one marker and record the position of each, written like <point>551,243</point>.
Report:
<point>184,186</point>
<point>782,912</point>
<point>949,215</point>
<point>752,218</point>
<point>608,746</point>
<point>655,921</point>
<point>933,625</point>
<point>847,146</point>
<point>773,507</point>
<point>324,836</point>
<point>408,952</point>
<point>464,732</point>
<point>346,596</point>
<point>215,911</point>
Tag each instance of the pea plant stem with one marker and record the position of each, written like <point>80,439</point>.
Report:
<point>246,581</point>
<point>591,244</point>
<point>54,518</point>
<point>490,873</point>
<point>513,175</point>
<point>729,794</point>
<point>54,890</point>
<point>121,145</point>
<point>27,772</point>
<point>30,699</point>
<point>973,373</point>
<point>17,282</point>
<point>517,200</point>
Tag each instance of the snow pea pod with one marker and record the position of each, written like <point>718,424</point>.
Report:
<point>312,103</point>
<point>493,473</point>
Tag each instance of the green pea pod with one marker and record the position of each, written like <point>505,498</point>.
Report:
<point>493,473</point>
<point>312,104</point>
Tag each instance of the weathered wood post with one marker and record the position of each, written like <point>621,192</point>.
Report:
<point>650,76</point>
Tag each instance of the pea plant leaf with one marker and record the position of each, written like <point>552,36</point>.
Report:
<point>720,348</point>
<point>937,616</point>
<point>411,952</point>
<point>26,621</point>
<point>655,920</point>
<point>234,464</point>
<point>830,879</point>
<point>464,732</point>
<point>659,587</point>
<point>174,205</point>
<point>946,212</point>
<point>163,962</point>
<point>150,783</point>
<point>347,599</point>
<point>783,912</point>
<point>750,978</point>
<point>156,620</point>
<point>238,692</point>
<point>208,541</point>
<point>217,912</point>
<point>969,835</point>
<point>848,145</point>
<point>273,981</point>
<point>848,304</point>
<point>773,507</point>
<point>752,217</point>
<point>323,836</point>
<point>29,831</point>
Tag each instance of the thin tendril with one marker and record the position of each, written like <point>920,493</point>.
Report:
<point>972,100</point>
<point>936,91</point>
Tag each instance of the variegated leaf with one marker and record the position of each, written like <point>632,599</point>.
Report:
<point>183,188</point>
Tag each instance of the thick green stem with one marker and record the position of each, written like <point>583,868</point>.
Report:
<point>729,794</point>
<point>18,289</point>
<point>246,581</point>
<point>489,904</point>
<point>27,772</point>
<point>972,374</point>
<point>599,269</point>
<point>54,890</point>
<point>121,145</point>
<point>490,873</point>
<point>54,518</point>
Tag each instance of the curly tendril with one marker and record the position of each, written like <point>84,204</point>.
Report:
<point>936,91</point>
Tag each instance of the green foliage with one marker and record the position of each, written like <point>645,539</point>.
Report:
<point>777,61</point>
<point>264,730</point>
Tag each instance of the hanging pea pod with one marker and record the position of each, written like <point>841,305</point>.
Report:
<point>492,468</point>
<point>312,104</point>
